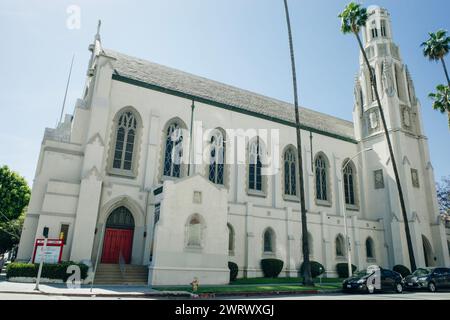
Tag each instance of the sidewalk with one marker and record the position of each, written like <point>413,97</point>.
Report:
<point>85,290</point>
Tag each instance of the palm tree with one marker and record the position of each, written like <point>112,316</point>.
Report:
<point>435,49</point>
<point>442,100</point>
<point>307,278</point>
<point>353,18</point>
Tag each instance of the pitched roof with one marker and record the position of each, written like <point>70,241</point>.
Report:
<point>164,77</point>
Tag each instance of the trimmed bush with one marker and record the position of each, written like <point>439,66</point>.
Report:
<point>50,271</point>
<point>404,271</point>
<point>342,270</point>
<point>316,269</point>
<point>271,267</point>
<point>233,270</point>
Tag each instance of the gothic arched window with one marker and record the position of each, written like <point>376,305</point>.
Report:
<point>125,139</point>
<point>321,178</point>
<point>173,151</point>
<point>255,166</point>
<point>370,250</point>
<point>217,158</point>
<point>290,172</point>
<point>349,184</point>
<point>269,239</point>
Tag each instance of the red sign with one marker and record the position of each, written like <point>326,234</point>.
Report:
<point>53,251</point>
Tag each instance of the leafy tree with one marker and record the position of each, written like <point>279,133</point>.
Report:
<point>435,49</point>
<point>443,194</point>
<point>353,18</point>
<point>14,197</point>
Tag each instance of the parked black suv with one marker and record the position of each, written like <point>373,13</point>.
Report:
<point>428,278</point>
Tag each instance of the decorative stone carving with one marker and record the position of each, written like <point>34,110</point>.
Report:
<point>388,79</point>
<point>415,178</point>
<point>379,179</point>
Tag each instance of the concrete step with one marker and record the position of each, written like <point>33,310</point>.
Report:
<point>111,274</point>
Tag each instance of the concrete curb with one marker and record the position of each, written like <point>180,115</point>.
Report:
<point>162,294</point>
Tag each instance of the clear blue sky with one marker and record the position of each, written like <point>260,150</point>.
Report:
<point>238,42</point>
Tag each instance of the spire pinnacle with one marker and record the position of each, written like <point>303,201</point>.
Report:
<point>97,35</point>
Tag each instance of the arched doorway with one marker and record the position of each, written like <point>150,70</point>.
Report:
<point>118,239</point>
<point>427,252</point>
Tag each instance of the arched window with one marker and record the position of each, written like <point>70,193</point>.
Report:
<point>217,158</point>
<point>194,232</point>
<point>173,151</point>
<point>370,250</point>
<point>349,184</point>
<point>269,239</point>
<point>321,178</point>
<point>290,176</point>
<point>125,141</point>
<point>230,238</point>
<point>255,166</point>
<point>120,218</point>
<point>340,246</point>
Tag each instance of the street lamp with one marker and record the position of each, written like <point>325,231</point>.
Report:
<point>344,211</point>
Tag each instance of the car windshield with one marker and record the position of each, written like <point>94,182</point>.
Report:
<point>361,273</point>
<point>421,272</point>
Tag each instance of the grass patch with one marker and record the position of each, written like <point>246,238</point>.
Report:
<point>293,280</point>
<point>248,289</point>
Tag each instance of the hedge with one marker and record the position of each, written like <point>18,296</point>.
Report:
<point>316,269</point>
<point>342,269</point>
<point>233,270</point>
<point>404,271</point>
<point>49,271</point>
<point>271,267</point>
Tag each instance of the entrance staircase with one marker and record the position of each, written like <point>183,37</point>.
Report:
<point>131,274</point>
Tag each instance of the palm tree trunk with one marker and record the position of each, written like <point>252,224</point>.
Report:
<point>307,279</point>
<point>448,83</point>
<point>391,152</point>
<point>446,72</point>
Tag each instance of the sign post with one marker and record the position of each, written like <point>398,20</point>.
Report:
<point>45,233</point>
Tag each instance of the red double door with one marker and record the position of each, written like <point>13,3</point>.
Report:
<point>117,242</point>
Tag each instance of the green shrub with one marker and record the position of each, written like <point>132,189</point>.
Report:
<point>271,267</point>
<point>342,270</point>
<point>233,270</point>
<point>50,271</point>
<point>404,271</point>
<point>316,269</point>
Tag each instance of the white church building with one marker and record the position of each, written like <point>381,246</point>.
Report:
<point>160,168</point>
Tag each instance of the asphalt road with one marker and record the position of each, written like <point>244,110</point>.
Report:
<point>379,296</point>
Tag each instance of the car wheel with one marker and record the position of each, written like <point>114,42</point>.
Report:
<point>398,288</point>
<point>431,287</point>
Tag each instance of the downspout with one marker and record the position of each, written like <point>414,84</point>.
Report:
<point>311,148</point>
<point>191,138</point>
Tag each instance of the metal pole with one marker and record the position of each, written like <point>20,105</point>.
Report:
<point>344,211</point>
<point>100,244</point>
<point>38,279</point>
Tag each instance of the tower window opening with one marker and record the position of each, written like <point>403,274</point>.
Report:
<point>383,28</point>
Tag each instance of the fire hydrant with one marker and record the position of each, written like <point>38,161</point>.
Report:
<point>194,285</point>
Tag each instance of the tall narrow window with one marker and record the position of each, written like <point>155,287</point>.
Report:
<point>255,166</point>
<point>194,232</point>
<point>174,151</point>
<point>321,179</point>
<point>268,240</point>
<point>125,138</point>
<point>230,238</point>
<point>349,189</point>
<point>374,33</point>
<point>370,248</point>
<point>217,158</point>
<point>340,246</point>
<point>383,28</point>
<point>290,176</point>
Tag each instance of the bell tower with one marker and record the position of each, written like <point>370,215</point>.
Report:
<point>403,117</point>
